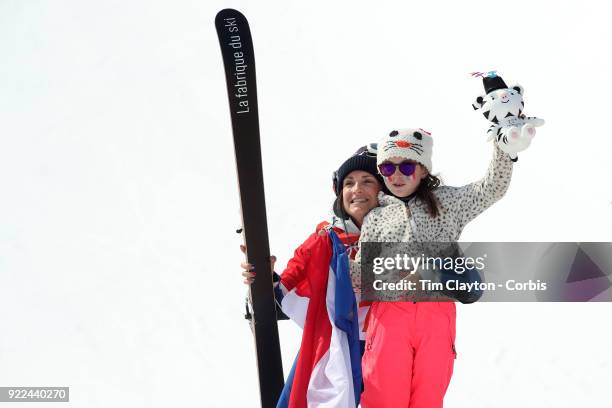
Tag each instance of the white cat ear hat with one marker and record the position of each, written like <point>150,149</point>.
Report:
<point>409,144</point>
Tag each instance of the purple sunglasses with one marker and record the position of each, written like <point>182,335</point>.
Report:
<point>388,169</point>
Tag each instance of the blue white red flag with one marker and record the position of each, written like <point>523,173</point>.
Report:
<point>327,369</point>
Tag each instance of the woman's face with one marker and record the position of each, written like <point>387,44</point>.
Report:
<point>359,194</point>
<point>401,185</point>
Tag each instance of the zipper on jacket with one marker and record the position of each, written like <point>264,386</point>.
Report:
<point>412,224</point>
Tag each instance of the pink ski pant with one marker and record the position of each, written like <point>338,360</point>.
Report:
<point>409,355</point>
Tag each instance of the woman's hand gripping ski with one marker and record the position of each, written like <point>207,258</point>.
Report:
<point>248,270</point>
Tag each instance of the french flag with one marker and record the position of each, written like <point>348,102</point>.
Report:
<point>320,298</point>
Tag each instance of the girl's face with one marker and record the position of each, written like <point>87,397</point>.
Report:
<point>359,194</point>
<point>401,185</point>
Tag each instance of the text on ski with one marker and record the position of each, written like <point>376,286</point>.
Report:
<point>240,73</point>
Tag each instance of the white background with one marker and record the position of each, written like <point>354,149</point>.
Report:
<point>119,262</point>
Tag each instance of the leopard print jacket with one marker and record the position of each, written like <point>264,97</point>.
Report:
<point>396,221</point>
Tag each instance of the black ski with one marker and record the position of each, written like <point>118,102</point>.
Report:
<point>239,61</point>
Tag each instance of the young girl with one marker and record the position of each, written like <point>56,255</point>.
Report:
<point>410,346</point>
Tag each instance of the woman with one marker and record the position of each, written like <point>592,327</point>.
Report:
<point>410,346</point>
<point>356,184</point>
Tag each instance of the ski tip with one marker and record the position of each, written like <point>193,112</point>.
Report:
<point>228,13</point>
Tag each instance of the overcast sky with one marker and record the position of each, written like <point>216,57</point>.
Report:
<point>119,260</point>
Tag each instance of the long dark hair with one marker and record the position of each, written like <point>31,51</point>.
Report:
<point>424,193</point>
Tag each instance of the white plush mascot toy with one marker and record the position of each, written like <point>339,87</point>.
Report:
<point>503,105</point>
